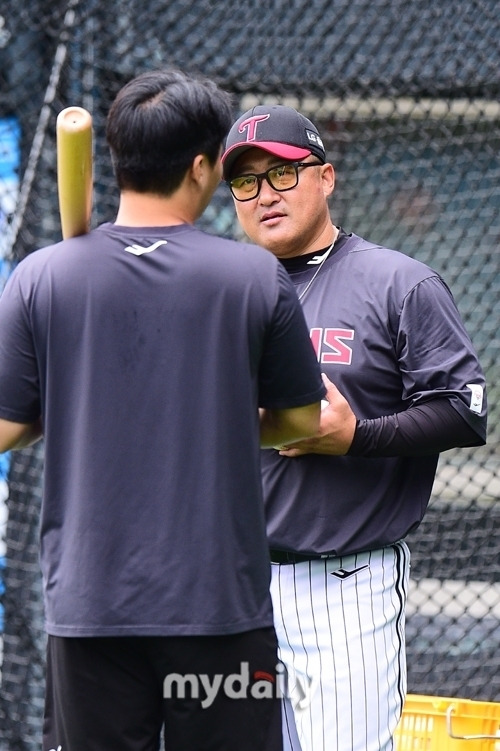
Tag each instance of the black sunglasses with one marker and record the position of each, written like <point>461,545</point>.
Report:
<point>281,177</point>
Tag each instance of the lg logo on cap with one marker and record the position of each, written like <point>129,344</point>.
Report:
<point>315,138</point>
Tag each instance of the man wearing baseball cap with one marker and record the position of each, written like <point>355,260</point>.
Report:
<point>298,136</point>
<point>403,384</point>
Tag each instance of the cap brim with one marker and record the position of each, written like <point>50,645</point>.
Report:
<point>283,150</point>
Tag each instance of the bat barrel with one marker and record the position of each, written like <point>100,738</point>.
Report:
<point>74,170</point>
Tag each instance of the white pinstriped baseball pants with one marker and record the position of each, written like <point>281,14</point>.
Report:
<point>340,626</point>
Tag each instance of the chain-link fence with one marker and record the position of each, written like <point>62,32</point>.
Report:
<point>407,96</point>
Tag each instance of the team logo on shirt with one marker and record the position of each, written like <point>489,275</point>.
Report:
<point>330,345</point>
<point>139,250</point>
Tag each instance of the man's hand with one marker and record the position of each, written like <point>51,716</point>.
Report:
<point>336,430</point>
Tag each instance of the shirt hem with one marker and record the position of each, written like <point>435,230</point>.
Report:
<point>163,630</point>
<point>299,401</point>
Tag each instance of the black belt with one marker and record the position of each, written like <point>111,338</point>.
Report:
<point>283,556</point>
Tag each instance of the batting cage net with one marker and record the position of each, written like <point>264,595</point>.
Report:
<point>407,97</point>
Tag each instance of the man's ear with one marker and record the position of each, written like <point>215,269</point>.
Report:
<point>328,178</point>
<point>198,169</point>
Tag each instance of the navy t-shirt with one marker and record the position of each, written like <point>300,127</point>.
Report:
<point>388,334</point>
<point>148,352</point>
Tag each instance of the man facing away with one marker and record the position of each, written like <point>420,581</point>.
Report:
<point>404,383</point>
<point>145,351</point>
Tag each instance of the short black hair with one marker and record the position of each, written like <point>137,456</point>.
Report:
<point>159,122</point>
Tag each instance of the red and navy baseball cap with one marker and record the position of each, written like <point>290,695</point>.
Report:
<point>278,129</point>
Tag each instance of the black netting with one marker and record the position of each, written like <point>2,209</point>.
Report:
<point>22,696</point>
<point>407,96</point>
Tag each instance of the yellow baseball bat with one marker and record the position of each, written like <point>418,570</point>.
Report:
<point>74,170</point>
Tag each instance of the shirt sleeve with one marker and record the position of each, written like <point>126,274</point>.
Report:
<point>19,379</point>
<point>290,375</point>
<point>422,430</point>
<point>436,356</point>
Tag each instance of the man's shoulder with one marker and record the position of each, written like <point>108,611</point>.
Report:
<point>243,255</point>
<point>41,255</point>
<point>249,249</point>
<point>384,260</point>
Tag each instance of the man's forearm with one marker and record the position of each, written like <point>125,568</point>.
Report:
<point>279,426</point>
<point>16,435</point>
<point>421,430</point>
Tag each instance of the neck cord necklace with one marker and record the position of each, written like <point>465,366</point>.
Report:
<point>325,256</point>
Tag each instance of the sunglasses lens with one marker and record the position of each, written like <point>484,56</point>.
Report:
<point>245,186</point>
<point>283,177</point>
